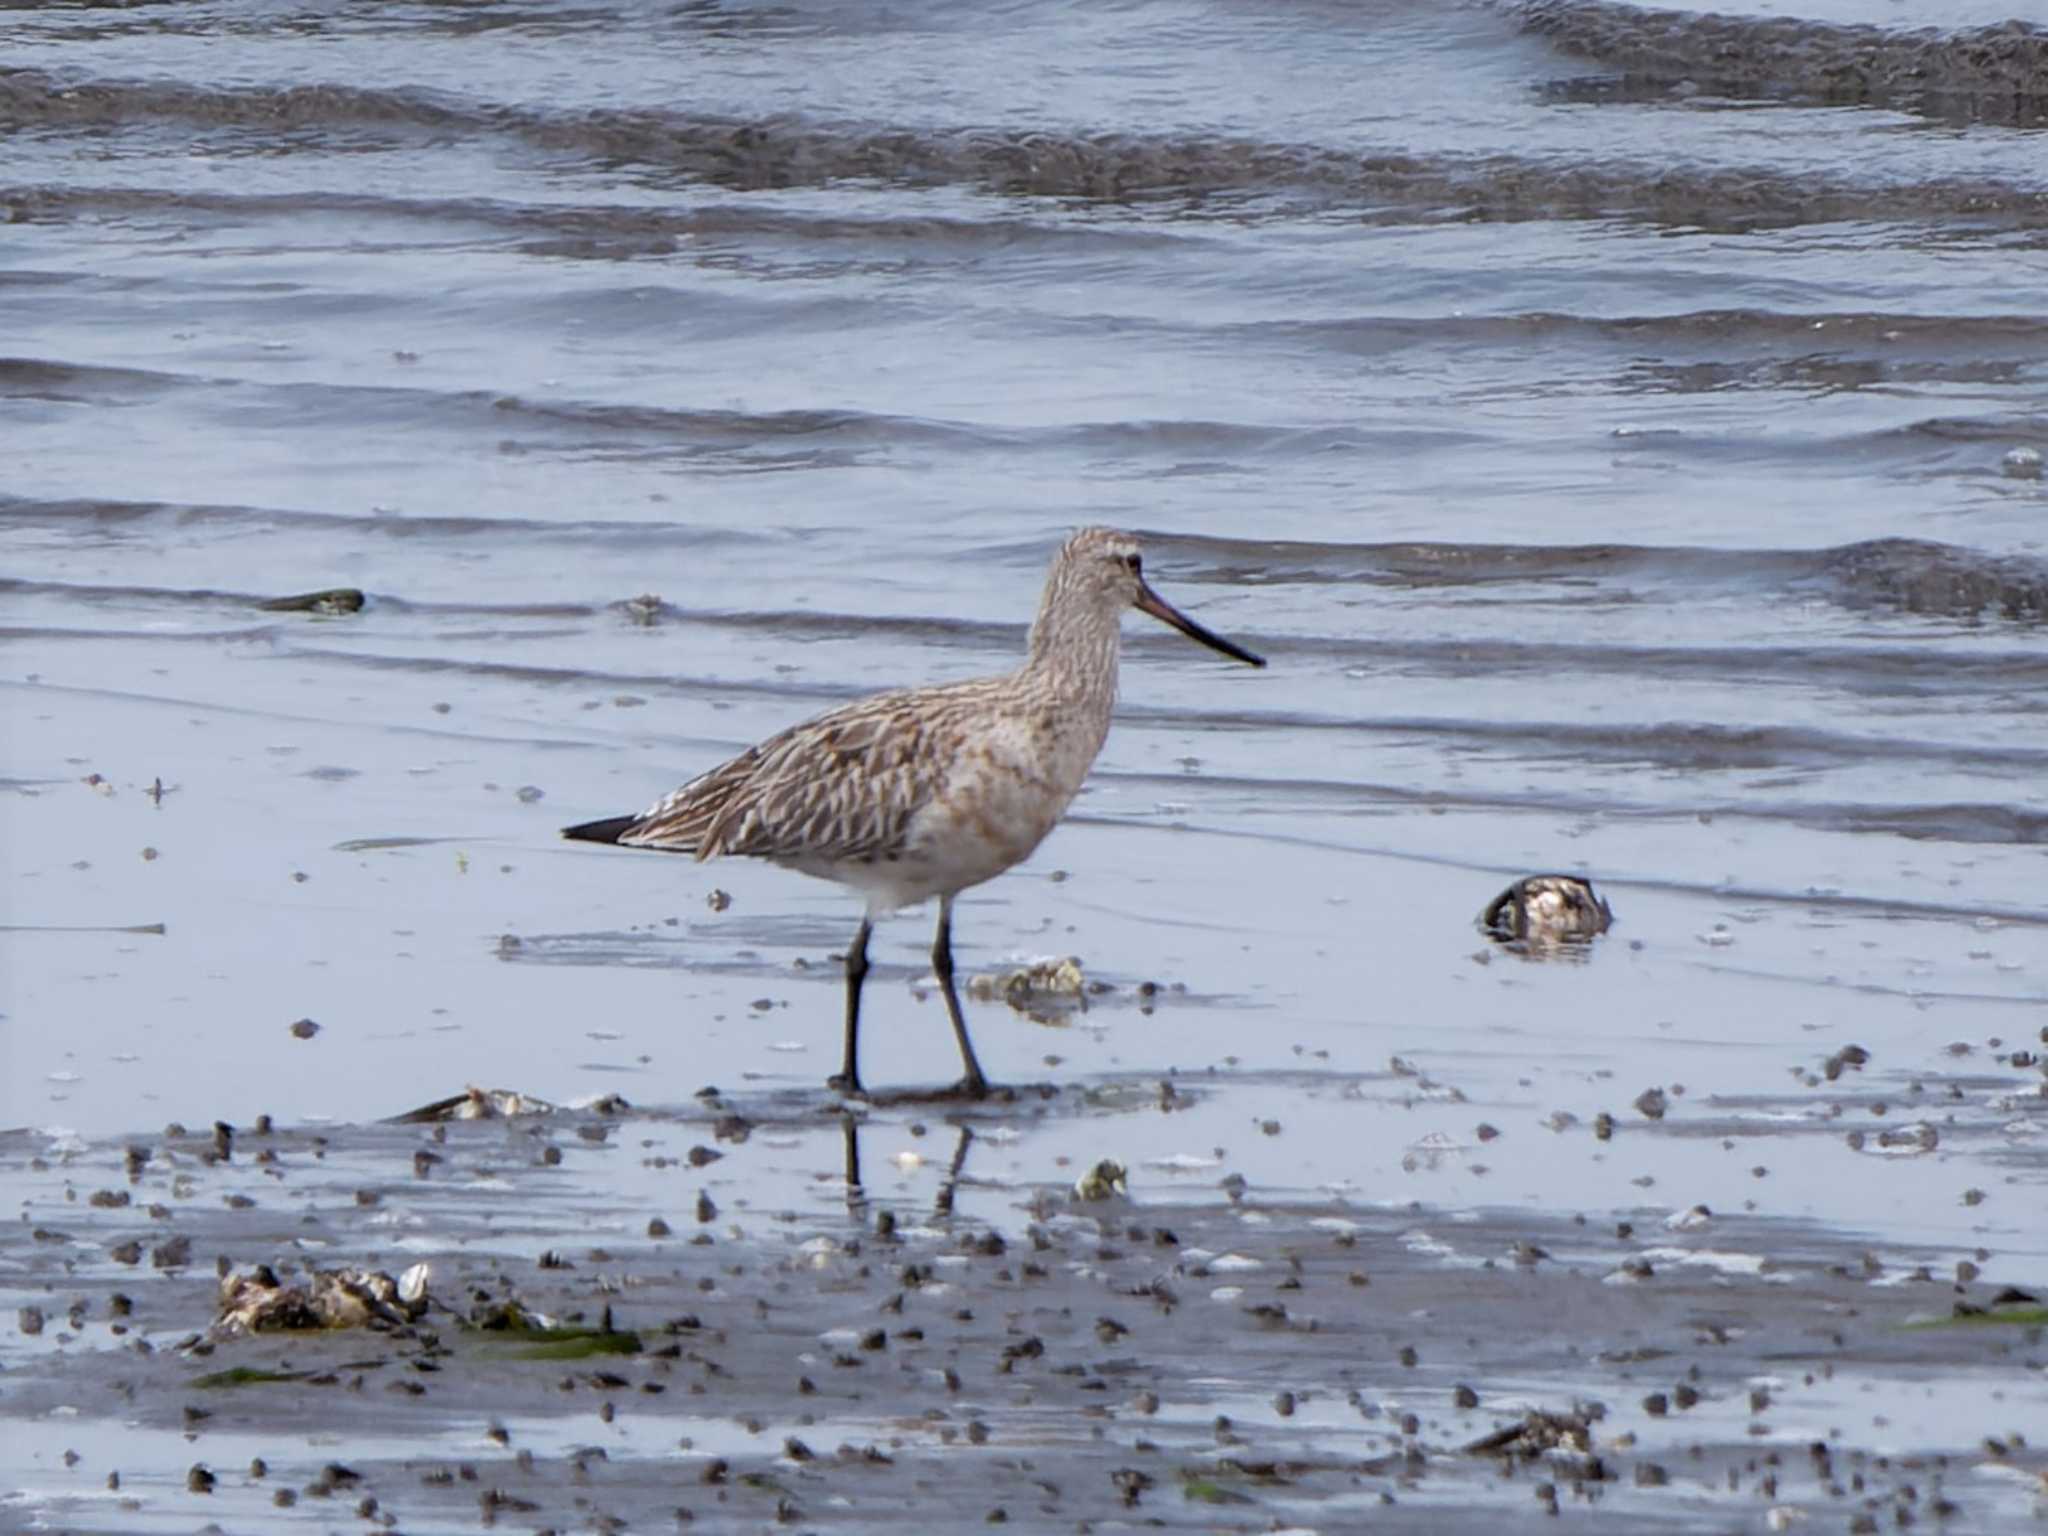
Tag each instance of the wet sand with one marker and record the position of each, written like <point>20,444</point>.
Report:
<point>916,1334</point>
<point>1708,1189</point>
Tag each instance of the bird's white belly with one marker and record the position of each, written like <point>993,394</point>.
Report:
<point>974,836</point>
<point>983,824</point>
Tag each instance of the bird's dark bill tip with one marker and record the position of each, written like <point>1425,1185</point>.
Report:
<point>609,830</point>
<point>1159,608</point>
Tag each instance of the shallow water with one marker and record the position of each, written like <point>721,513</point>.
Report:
<point>1621,431</point>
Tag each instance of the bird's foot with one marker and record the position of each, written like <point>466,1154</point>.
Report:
<point>847,1083</point>
<point>974,1089</point>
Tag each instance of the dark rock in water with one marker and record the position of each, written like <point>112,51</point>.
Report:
<point>1544,910</point>
<point>332,601</point>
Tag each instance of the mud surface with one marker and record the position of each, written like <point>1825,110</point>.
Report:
<point>913,1332</point>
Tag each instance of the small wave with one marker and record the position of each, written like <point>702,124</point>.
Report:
<point>109,518</point>
<point>1961,822</point>
<point>1690,745</point>
<point>710,438</point>
<point>1913,575</point>
<point>1810,899</point>
<point>741,428</point>
<point>31,378</point>
<point>1995,74</point>
<point>1940,580</point>
<point>94,595</point>
<point>588,229</point>
<point>1685,745</point>
<point>33,98</point>
<point>1703,352</point>
<point>794,151</point>
<point>1936,671</point>
<point>1687,333</point>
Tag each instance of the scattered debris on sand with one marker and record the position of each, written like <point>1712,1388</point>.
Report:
<point>1107,1180</point>
<point>1561,1442</point>
<point>1543,912</point>
<point>475,1103</point>
<point>1047,989</point>
<point>259,1302</point>
<point>1259,1362</point>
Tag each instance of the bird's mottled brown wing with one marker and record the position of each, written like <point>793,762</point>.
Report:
<point>842,786</point>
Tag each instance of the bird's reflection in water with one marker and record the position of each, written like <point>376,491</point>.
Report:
<point>857,1203</point>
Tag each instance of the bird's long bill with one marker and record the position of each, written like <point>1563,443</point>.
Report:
<point>1151,602</point>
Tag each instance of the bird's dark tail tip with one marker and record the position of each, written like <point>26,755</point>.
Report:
<point>609,830</point>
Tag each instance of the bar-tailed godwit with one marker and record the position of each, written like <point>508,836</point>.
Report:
<point>924,792</point>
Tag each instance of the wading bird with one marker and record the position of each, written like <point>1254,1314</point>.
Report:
<point>924,792</point>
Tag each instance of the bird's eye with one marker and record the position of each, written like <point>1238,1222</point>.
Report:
<point>1133,564</point>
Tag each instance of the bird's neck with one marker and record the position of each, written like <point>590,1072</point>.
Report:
<point>1072,668</point>
<point>1073,651</point>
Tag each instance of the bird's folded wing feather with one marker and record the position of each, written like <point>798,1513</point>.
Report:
<point>842,786</point>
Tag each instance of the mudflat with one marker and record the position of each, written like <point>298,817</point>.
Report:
<point>613,1332</point>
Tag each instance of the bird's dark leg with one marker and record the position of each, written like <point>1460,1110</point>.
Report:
<point>974,1085</point>
<point>943,1206</point>
<point>856,1194</point>
<point>848,1080</point>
